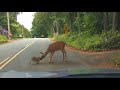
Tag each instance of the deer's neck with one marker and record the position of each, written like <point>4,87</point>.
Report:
<point>44,55</point>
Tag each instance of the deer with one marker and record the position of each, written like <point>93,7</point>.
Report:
<point>56,46</point>
<point>35,59</point>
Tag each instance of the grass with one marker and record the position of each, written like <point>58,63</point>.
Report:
<point>16,38</point>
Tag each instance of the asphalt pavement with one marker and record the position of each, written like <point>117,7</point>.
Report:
<point>33,46</point>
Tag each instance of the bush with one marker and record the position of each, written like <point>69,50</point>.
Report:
<point>116,59</point>
<point>87,41</point>
<point>3,39</point>
<point>62,37</point>
<point>110,41</point>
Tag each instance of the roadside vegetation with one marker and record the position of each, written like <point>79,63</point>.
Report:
<point>85,41</point>
<point>3,39</point>
<point>116,59</point>
<point>88,31</point>
<point>16,29</point>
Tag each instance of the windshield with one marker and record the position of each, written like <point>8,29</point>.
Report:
<point>53,41</point>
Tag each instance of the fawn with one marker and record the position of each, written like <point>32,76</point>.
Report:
<point>35,59</point>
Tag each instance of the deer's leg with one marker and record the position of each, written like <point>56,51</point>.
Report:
<point>64,55</point>
<point>51,54</point>
<point>50,58</point>
<point>30,62</point>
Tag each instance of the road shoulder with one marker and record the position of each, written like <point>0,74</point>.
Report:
<point>11,41</point>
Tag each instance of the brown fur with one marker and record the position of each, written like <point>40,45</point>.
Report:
<point>59,45</point>
<point>35,59</point>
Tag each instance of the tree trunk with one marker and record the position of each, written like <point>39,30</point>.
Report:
<point>113,22</point>
<point>116,21</point>
<point>79,15</point>
<point>106,22</point>
<point>56,27</point>
<point>75,15</point>
<point>72,17</point>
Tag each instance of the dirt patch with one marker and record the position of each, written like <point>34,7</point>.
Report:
<point>10,41</point>
<point>106,65</point>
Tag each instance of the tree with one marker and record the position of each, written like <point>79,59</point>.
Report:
<point>45,23</point>
<point>92,22</point>
<point>106,22</point>
<point>116,21</point>
<point>72,17</point>
<point>13,21</point>
<point>79,22</point>
<point>27,33</point>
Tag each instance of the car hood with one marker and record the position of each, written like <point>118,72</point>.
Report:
<point>57,73</point>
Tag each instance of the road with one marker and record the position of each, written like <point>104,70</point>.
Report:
<point>18,54</point>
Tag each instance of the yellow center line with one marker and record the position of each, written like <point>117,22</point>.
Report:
<point>15,55</point>
<point>4,61</point>
<point>26,45</point>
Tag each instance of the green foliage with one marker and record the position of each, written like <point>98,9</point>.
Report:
<point>41,24</point>
<point>77,21</point>
<point>62,37</point>
<point>110,41</point>
<point>116,59</point>
<point>86,29</point>
<point>15,27</point>
<point>3,39</point>
<point>89,21</point>
<point>27,33</point>
<point>86,41</point>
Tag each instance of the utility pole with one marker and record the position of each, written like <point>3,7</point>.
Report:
<point>22,31</point>
<point>8,25</point>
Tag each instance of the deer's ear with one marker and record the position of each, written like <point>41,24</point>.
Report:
<point>41,52</point>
